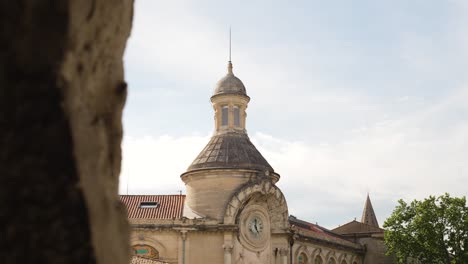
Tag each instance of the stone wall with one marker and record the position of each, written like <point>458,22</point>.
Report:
<point>62,92</point>
<point>375,251</point>
<point>208,191</point>
<point>166,242</point>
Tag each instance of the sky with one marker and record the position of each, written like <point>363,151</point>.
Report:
<point>347,97</point>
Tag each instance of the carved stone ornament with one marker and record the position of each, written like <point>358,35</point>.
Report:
<point>228,248</point>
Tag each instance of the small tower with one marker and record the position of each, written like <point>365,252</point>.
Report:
<point>368,214</point>
<point>229,103</point>
<point>229,160</point>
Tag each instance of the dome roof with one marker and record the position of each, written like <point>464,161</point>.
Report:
<point>230,151</point>
<point>230,84</point>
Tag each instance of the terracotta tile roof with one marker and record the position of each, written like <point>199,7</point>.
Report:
<point>168,206</point>
<point>143,260</point>
<point>320,232</point>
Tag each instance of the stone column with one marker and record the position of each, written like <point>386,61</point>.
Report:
<point>227,253</point>
<point>284,255</point>
<point>243,116</point>
<point>218,117</point>
<point>183,235</point>
<point>230,116</point>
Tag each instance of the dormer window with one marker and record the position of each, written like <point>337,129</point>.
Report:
<point>236,116</point>
<point>224,115</point>
<point>149,204</point>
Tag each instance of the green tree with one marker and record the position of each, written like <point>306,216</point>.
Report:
<point>434,230</point>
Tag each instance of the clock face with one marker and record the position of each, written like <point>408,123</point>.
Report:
<point>256,226</point>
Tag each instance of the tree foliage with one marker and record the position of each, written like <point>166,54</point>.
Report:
<point>434,230</point>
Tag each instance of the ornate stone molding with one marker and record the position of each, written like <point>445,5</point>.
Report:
<point>355,259</point>
<point>183,234</point>
<point>228,248</point>
<point>283,252</point>
<point>144,239</point>
<point>278,211</point>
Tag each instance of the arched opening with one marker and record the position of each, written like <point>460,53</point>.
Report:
<point>236,116</point>
<point>302,258</point>
<point>331,261</point>
<point>145,251</point>
<point>224,115</point>
<point>344,262</point>
<point>318,260</point>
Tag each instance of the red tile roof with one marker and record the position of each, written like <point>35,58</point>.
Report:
<point>169,206</point>
<point>319,231</point>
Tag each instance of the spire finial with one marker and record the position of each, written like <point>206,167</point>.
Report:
<point>230,63</point>
<point>229,43</point>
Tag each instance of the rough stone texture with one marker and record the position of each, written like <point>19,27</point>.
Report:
<point>375,251</point>
<point>61,98</point>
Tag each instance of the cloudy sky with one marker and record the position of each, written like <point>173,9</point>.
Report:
<point>347,97</point>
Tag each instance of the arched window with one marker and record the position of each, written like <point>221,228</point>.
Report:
<point>331,261</point>
<point>236,116</point>
<point>318,260</point>
<point>302,258</point>
<point>344,262</point>
<point>224,115</point>
<point>145,251</point>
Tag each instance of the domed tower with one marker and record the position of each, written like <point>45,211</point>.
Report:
<point>229,160</point>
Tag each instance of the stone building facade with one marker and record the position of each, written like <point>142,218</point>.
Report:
<point>233,211</point>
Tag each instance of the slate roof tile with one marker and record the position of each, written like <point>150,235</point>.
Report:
<point>230,150</point>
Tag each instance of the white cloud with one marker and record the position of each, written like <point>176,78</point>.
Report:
<point>328,182</point>
<point>153,165</point>
<point>417,147</point>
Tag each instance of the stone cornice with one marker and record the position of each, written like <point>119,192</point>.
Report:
<point>226,172</point>
<point>191,228</point>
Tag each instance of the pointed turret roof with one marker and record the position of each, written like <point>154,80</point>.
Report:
<point>368,214</point>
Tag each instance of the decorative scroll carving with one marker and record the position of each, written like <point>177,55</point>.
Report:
<point>276,203</point>
<point>228,248</point>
